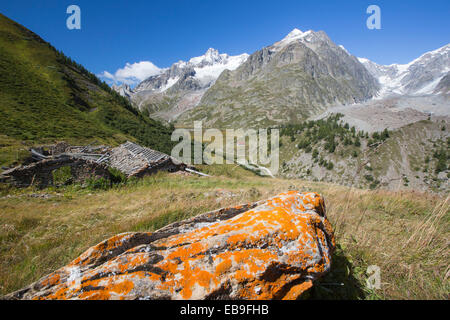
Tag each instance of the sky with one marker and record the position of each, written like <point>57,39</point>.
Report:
<point>137,38</point>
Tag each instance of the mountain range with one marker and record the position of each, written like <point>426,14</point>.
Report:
<point>300,76</point>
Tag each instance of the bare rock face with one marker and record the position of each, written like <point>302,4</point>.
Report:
<point>272,249</point>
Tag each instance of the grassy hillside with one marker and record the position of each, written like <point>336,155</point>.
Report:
<point>45,96</point>
<point>404,233</point>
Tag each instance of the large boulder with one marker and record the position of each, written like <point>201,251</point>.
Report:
<point>272,249</point>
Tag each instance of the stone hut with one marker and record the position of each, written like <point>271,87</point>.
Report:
<point>135,160</point>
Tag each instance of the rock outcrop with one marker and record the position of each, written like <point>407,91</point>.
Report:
<point>272,249</point>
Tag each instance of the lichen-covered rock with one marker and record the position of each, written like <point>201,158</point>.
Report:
<point>271,249</point>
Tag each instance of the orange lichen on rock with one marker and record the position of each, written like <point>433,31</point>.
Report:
<point>271,249</point>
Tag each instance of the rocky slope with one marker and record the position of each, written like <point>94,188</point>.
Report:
<point>413,156</point>
<point>294,78</point>
<point>180,87</point>
<point>443,87</point>
<point>272,249</point>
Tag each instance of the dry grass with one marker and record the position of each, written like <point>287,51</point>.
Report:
<point>404,233</point>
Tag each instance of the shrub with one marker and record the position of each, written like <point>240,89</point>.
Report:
<point>315,153</point>
<point>117,176</point>
<point>330,165</point>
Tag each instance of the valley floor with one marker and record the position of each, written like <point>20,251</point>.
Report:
<point>405,233</point>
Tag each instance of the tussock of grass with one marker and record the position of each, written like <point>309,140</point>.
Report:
<point>404,233</point>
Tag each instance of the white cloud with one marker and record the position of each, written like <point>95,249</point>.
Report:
<point>132,74</point>
<point>107,75</point>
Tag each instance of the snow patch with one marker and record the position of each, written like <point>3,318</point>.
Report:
<point>209,73</point>
<point>294,35</point>
<point>343,48</point>
<point>169,84</point>
<point>429,88</point>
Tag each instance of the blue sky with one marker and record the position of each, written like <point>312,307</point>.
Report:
<point>114,33</point>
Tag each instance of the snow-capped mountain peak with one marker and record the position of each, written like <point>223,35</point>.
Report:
<point>294,35</point>
<point>211,56</point>
<point>184,81</point>
<point>197,73</point>
<point>213,64</point>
